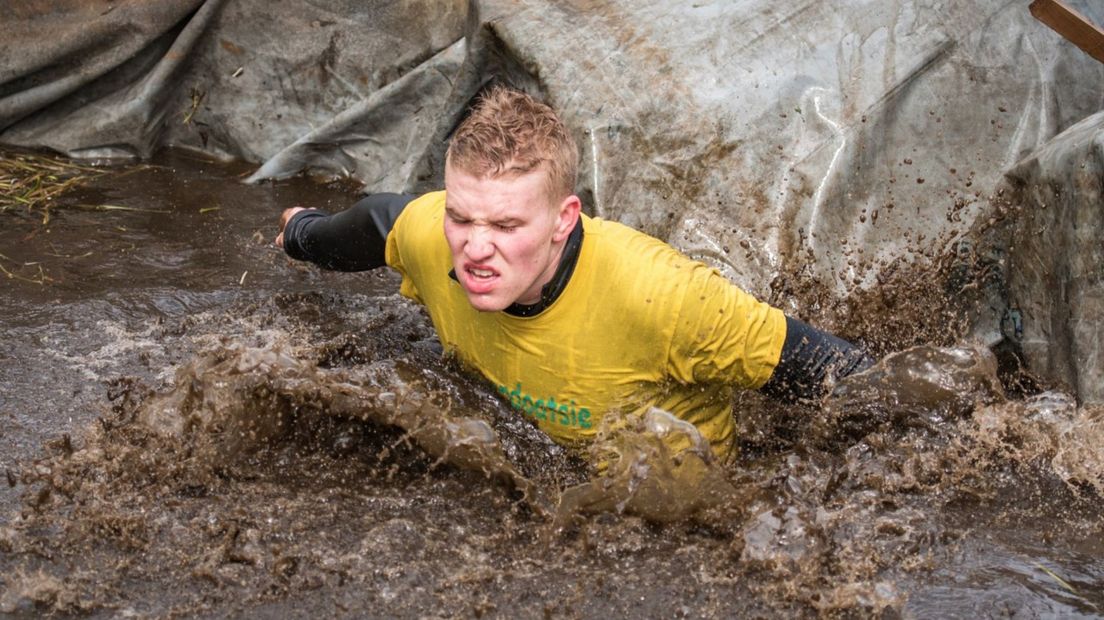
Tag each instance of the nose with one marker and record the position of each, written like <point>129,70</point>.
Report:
<point>480,244</point>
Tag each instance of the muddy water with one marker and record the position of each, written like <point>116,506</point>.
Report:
<point>194,425</point>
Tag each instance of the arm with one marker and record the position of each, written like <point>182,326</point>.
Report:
<point>724,334</point>
<point>353,240</point>
<point>811,360</point>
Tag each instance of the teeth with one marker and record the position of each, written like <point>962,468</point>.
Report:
<point>482,273</point>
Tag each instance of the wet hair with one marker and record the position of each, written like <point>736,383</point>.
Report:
<point>509,132</point>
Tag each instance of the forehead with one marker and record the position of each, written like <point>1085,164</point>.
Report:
<point>508,194</point>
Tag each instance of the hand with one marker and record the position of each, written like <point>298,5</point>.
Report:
<point>285,217</point>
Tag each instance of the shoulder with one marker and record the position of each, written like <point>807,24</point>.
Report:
<point>422,211</point>
<point>417,243</point>
<point>420,222</point>
<point>627,253</point>
<point>644,278</point>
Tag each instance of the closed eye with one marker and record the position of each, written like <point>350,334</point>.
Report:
<point>456,219</point>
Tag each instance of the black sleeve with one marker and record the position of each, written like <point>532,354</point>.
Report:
<point>810,358</point>
<point>353,240</point>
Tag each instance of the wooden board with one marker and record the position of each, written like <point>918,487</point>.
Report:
<point>1071,25</point>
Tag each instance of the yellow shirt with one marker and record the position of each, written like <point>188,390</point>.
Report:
<point>637,325</point>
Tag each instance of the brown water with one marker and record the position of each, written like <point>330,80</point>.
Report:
<point>194,425</point>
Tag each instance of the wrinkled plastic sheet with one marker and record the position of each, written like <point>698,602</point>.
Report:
<point>1055,254</point>
<point>243,79</point>
<point>761,137</point>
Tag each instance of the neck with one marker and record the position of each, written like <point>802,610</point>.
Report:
<point>557,252</point>
<point>561,275</point>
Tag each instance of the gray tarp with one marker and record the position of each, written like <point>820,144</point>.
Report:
<point>763,137</point>
<point>1055,252</point>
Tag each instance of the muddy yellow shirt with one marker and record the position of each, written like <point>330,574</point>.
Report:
<point>637,325</point>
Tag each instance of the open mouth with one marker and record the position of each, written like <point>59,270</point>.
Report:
<point>479,279</point>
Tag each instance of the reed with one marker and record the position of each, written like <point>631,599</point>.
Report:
<point>32,182</point>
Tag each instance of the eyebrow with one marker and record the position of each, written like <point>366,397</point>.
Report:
<point>506,221</point>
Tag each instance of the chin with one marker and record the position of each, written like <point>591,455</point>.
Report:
<point>485,303</point>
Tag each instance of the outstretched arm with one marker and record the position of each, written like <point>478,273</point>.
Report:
<point>353,240</point>
<point>812,360</point>
<point>724,334</point>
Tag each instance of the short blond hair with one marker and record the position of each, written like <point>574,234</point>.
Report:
<point>510,132</point>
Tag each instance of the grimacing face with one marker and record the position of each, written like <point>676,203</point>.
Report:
<point>506,235</point>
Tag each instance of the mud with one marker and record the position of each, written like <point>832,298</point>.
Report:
<point>194,425</point>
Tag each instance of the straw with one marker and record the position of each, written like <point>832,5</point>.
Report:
<point>32,182</point>
<point>1054,576</point>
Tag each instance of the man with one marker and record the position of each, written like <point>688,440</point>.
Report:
<point>578,322</point>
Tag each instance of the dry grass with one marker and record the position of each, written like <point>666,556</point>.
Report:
<point>26,272</point>
<point>32,182</point>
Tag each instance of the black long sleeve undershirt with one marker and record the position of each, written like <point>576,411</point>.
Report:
<point>355,240</point>
<point>811,361</point>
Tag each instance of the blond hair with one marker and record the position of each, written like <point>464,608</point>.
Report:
<point>509,132</point>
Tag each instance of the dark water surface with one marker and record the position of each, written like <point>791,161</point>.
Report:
<point>191,424</point>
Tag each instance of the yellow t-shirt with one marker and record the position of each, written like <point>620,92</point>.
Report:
<point>637,325</point>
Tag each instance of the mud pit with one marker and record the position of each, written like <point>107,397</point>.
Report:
<point>194,425</point>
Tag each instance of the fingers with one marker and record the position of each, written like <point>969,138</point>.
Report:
<point>289,213</point>
<point>285,217</point>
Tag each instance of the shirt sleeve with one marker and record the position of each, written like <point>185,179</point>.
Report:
<point>724,334</point>
<point>416,246</point>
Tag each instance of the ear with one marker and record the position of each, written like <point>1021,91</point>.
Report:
<point>567,214</point>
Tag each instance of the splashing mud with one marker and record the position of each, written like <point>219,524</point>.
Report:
<point>183,439</point>
<point>658,467</point>
<point>921,386</point>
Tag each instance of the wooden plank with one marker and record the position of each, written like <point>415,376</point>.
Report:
<point>1071,25</point>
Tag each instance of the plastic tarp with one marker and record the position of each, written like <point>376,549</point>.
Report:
<point>762,137</point>
<point>1055,258</point>
<point>236,79</point>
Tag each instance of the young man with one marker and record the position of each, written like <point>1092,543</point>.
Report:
<point>573,319</point>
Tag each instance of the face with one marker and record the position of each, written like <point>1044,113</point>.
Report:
<point>505,234</point>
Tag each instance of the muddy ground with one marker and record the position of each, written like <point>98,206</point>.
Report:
<point>193,425</point>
